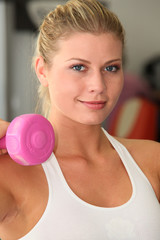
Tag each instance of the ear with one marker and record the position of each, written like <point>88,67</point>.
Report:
<point>40,69</point>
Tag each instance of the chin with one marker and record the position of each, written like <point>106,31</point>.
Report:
<point>92,121</point>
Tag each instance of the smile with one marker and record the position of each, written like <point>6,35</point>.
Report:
<point>95,105</point>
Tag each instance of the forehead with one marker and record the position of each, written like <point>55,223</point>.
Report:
<point>89,45</point>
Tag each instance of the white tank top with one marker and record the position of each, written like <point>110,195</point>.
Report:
<point>67,217</point>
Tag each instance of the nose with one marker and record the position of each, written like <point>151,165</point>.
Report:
<point>97,82</point>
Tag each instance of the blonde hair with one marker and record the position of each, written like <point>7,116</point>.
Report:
<point>74,16</point>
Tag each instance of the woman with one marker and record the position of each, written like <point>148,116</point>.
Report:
<point>93,186</point>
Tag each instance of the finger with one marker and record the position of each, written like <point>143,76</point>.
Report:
<point>3,151</point>
<point>3,127</point>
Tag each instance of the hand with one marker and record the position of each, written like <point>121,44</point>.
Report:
<point>3,129</point>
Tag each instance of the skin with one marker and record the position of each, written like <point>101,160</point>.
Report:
<point>84,82</point>
<point>3,126</point>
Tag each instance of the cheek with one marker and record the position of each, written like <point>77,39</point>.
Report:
<point>63,91</point>
<point>120,83</point>
<point>116,88</point>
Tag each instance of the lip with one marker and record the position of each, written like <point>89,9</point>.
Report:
<point>95,105</point>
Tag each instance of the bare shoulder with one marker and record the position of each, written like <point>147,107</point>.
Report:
<point>19,179</point>
<point>10,171</point>
<point>147,149</point>
<point>146,154</point>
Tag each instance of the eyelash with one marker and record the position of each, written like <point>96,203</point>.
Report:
<point>82,68</point>
<point>74,67</point>
<point>111,67</point>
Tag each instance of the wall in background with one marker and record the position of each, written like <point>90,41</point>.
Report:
<point>141,21</point>
<point>3,61</point>
<point>21,84</point>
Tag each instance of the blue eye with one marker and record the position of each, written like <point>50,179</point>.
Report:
<point>78,67</point>
<point>112,68</point>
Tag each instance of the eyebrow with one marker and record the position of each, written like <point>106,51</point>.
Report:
<point>78,59</point>
<point>83,60</point>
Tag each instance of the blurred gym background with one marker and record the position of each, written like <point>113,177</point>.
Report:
<point>137,112</point>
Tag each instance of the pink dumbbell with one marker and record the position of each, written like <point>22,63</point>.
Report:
<point>29,139</point>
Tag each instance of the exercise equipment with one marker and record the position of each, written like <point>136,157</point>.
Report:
<point>29,139</point>
<point>136,118</point>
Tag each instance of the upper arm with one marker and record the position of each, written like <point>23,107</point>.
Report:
<point>156,152</point>
<point>153,160</point>
<point>7,205</point>
<point>7,199</point>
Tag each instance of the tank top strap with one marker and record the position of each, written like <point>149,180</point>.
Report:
<point>133,170</point>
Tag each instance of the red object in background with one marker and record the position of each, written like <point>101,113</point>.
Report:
<point>135,118</point>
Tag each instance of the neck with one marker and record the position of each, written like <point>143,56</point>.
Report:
<point>74,138</point>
